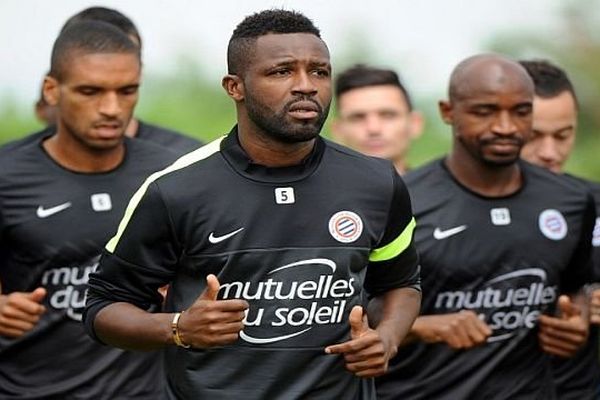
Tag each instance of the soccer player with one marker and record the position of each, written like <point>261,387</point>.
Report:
<point>375,114</point>
<point>268,263</point>
<point>60,201</point>
<point>554,131</point>
<point>500,242</point>
<point>174,141</point>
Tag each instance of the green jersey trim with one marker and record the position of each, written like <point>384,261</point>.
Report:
<point>397,246</point>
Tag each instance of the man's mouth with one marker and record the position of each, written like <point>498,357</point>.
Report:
<point>304,110</point>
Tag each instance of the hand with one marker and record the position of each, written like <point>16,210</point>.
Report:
<point>20,312</point>
<point>595,307</point>
<point>564,335</point>
<point>461,330</point>
<point>366,354</point>
<point>210,322</point>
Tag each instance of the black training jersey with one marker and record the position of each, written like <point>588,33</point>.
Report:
<point>174,141</point>
<point>505,258</point>
<point>300,243</point>
<point>54,224</point>
<point>578,377</point>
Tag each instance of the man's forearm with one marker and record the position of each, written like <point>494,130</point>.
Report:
<point>394,313</point>
<point>129,327</point>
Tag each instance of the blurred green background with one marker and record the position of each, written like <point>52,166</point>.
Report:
<point>188,101</point>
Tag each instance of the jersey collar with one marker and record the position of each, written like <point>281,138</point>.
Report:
<point>236,156</point>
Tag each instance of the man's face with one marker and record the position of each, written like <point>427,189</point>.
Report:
<point>287,86</point>
<point>95,97</point>
<point>376,120</point>
<point>491,119</point>
<point>554,125</point>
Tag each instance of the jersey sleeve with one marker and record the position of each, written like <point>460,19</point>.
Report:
<point>580,269</point>
<point>138,260</point>
<point>395,262</point>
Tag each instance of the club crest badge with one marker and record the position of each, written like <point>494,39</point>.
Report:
<point>552,224</point>
<point>345,226</point>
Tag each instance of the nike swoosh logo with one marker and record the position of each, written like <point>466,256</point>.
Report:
<point>42,212</point>
<point>443,234</point>
<point>216,239</point>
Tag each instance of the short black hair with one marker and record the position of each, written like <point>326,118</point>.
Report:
<point>259,24</point>
<point>107,15</point>
<point>360,76</point>
<point>549,79</point>
<point>88,37</point>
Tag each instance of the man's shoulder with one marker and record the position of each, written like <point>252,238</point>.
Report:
<point>171,139</point>
<point>27,140</point>
<point>591,185</point>
<point>545,181</point>
<point>189,166</point>
<point>26,150</point>
<point>423,174</point>
<point>357,161</point>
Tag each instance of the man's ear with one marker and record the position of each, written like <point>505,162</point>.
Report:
<point>417,122</point>
<point>51,90</point>
<point>445,108</point>
<point>234,87</point>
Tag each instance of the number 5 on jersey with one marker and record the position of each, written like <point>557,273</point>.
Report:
<point>285,195</point>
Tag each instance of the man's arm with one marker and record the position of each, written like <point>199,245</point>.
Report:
<point>369,350</point>
<point>206,323</point>
<point>461,330</point>
<point>393,281</point>
<point>20,312</point>
<point>563,335</point>
<point>566,333</point>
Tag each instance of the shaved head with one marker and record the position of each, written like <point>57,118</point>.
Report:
<point>487,72</point>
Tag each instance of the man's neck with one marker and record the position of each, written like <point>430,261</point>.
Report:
<point>401,166</point>
<point>486,180</point>
<point>73,155</point>
<point>264,150</point>
<point>132,127</point>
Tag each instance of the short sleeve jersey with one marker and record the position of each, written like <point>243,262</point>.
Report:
<point>504,258</point>
<point>301,244</point>
<point>54,224</point>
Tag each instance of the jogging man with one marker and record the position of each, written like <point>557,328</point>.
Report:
<point>500,241</point>
<point>268,263</point>
<point>554,132</point>
<point>60,201</point>
<point>375,115</point>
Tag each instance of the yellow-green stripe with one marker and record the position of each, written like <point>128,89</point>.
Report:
<point>396,247</point>
<point>184,161</point>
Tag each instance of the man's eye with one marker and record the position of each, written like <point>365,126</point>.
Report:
<point>129,90</point>
<point>524,111</point>
<point>88,91</point>
<point>280,72</point>
<point>321,72</point>
<point>482,112</point>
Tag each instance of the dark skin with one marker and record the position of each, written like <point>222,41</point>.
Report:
<point>490,111</point>
<point>288,78</point>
